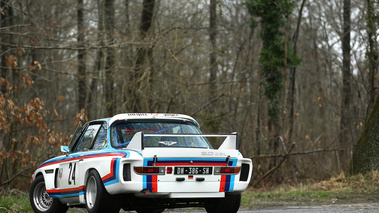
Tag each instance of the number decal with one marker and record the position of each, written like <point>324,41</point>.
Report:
<point>71,175</point>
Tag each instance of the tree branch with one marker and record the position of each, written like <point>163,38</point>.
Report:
<point>298,153</point>
<point>15,176</point>
<point>275,168</point>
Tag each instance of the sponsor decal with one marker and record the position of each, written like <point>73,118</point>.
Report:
<point>60,173</point>
<point>210,153</point>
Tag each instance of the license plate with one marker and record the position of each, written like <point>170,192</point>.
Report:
<point>193,170</point>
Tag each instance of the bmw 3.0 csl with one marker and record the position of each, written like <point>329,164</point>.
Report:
<point>144,162</point>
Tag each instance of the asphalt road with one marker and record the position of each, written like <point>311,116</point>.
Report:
<point>350,208</point>
<point>336,208</point>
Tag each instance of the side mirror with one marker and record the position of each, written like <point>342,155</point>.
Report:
<point>65,149</point>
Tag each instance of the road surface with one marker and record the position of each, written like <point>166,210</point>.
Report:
<point>349,208</point>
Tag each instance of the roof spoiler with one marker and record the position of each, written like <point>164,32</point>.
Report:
<point>230,142</point>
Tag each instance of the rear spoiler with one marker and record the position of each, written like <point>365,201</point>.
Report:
<point>230,142</point>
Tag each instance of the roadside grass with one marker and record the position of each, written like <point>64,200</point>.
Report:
<point>336,190</point>
<point>15,203</point>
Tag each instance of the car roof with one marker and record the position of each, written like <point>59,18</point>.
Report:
<point>166,116</point>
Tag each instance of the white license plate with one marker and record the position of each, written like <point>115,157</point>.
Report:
<point>207,170</point>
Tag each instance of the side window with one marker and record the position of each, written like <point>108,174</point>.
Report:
<point>76,135</point>
<point>101,138</point>
<point>86,141</point>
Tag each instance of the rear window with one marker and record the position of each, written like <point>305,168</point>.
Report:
<point>123,131</point>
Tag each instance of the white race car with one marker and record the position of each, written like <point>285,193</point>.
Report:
<point>144,162</point>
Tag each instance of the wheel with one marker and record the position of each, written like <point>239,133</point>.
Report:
<point>229,204</point>
<point>40,200</point>
<point>97,198</point>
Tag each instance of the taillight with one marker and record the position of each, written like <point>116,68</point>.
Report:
<point>149,170</point>
<point>227,170</point>
<point>169,170</point>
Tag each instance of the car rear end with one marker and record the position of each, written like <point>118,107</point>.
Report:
<point>172,164</point>
<point>193,173</point>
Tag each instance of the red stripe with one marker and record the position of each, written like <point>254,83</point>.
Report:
<point>154,183</point>
<point>111,173</point>
<point>65,190</point>
<point>222,183</point>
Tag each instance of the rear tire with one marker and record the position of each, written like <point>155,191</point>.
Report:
<point>97,198</point>
<point>41,201</point>
<point>230,204</point>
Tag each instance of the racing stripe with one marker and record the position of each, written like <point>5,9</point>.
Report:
<point>227,181</point>
<point>63,193</point>
<point>150,182</point>
<point>108,179</point>
<point>84,156</point>
<point>222,183</point>
<point>154,183</point>
<point>112,177</point>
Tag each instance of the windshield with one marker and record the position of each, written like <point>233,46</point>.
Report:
<point>123,131</point>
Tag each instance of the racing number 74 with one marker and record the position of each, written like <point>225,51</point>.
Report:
<point>71,175</point>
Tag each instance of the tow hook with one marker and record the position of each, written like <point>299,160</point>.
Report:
<point>145,191</point>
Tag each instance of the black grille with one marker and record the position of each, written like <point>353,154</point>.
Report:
<point>245,168</point>
<point>126,172</point>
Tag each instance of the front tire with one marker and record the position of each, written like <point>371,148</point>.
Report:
<point>97,197</point>
<point>41,201</point>
<point>230,204</point>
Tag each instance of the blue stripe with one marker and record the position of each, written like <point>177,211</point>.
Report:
<point>67,194</point>
<point>149,182</point>
<point>231,177</point>
<point>227,183</point>
<point>144,177</point>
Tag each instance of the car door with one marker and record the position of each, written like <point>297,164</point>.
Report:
<point>69,168</point>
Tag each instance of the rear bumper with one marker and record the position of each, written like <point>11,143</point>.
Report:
<point>183,195</point>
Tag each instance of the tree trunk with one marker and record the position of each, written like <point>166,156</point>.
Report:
<point>142,53</point>
<point>345,139</point>
<point>365,158</point>
<point>372,53</point>
<point>110,59</point>
<point>81,58</point>
<point>212,54</point>
<point>4,38</point>
<point>98,65</point>
<point>292,86</point>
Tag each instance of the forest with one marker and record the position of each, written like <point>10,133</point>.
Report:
<point>297,79</point>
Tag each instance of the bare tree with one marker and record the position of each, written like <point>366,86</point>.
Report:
<point>141,76</point>
<point>345,137</point>
<point>82,90</point>
<point>110,57</point>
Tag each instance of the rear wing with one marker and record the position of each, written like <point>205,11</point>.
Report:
<point>230,142</point>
